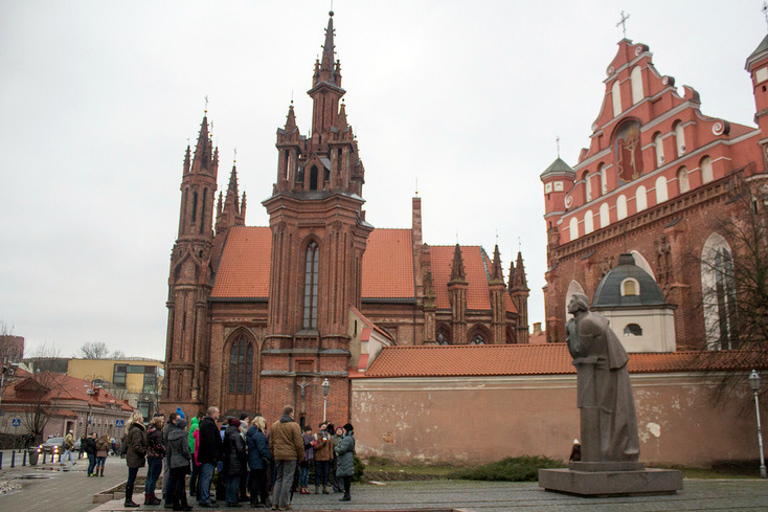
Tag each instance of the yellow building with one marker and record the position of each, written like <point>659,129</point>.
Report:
<point>138,380</point>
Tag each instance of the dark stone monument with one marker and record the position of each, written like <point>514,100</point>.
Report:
<point>609,443</point>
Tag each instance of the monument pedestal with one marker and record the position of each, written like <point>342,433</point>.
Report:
<point>598,479</point>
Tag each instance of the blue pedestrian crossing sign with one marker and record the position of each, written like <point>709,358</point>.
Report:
<point>119,423</point>
<point>16,422</point>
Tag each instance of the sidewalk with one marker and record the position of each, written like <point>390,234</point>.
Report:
<point>71,491</point>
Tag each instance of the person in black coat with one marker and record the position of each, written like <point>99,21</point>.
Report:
<point>89,447</point>
<point>209,453</point>
<point>178,457</point>
<point>234,460</point>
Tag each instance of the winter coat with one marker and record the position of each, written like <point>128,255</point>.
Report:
<point>89,445</point>
<point>155,445</point>
<point>258,449</point>
<point>102,447</point>
<point>346,453</point>
<point>234,451</point>
<point>136,446</point>
<point>210,446</point>
<point>309,452</point>
<point>323,446</point>
<point>193,426</point>
<point>177,451</point>
<point>285,441</point>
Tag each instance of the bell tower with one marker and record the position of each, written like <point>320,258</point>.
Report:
<point>319,235</point>
<point>187,351</point>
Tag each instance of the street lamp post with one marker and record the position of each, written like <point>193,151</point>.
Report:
<point>326,388</point>
<point>754,383</point>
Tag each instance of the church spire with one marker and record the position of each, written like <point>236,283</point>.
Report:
<point>233,212</point>
<point>497,275</point>
<point>457,267</point>
<point>290,120</point>
<point>206,156</point>
<point>328,65</point>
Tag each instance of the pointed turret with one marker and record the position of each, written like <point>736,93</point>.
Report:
<point>290,121</point>
<point>457,267</point>
<point>231,214</point>
<point>187,159</point>
<point>328,64</point>
<point>206,158</point>
<point>518,290</point>
<point>497,276</point>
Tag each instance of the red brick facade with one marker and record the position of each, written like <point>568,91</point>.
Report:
<point>655,175</point>
<point>259,317</point>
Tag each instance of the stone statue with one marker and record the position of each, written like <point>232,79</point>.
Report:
<point>608,421</point>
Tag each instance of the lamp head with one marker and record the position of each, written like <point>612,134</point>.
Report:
<point>326,387</point>
<point>754,381</point>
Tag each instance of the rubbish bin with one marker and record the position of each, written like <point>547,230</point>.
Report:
<point>34,455</point>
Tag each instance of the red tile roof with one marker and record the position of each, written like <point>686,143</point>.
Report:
<point>61,387</point>
<point>510,360</point>
<point>388,265</point>
<point>477,266</point>
<point>244,267</point>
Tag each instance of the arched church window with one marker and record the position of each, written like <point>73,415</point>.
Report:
<point>194,206</point>
<point>443,337</point>
<point>658,143</point>
<point>588,222</point>
<point>573,227</point>
<point>682,180</point>
<point>661,190</point>
<point>718,289</point>
<point>202,210</point>
<point>313,178</point>
<point>630,287</point>
<point>310,286</point>
<point>616,98</point>
<point>241,366</point>
<point>587,185</point>
<point>621,207</point>
<point>641,198</point>
<point>603,180</point>
<point>706,170</point>
<point>680,139</point>
<point>478,339</point>
<point>633,330</point>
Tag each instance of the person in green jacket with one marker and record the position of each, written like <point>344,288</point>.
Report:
<point>195,476</point>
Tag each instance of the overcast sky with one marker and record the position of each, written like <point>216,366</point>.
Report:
<point>99,99</point>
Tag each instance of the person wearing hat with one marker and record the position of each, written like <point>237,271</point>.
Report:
<point>345,451</point>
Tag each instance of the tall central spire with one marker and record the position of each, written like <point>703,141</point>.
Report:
<point>328,69</point>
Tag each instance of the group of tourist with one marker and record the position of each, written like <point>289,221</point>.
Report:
<point>253,465</point>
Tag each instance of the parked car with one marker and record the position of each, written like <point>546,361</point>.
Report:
<point>53,445</point>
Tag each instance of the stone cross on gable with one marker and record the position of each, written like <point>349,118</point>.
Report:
<point>623,23</point>
<point>557,140</point>
<point>765,11</point>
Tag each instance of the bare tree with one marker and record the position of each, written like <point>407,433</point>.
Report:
<point>735,289</point>
<point>33,395</point>
<point>5,330</point>
<point>45,350</point>
<point>94,350</point>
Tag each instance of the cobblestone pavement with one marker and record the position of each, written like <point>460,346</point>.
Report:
<point>71,491</point>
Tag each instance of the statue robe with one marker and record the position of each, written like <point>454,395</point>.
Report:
<point>609,423</point>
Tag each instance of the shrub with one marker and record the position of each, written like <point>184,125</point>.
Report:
<point>511,469</point>
<point>359,470</point>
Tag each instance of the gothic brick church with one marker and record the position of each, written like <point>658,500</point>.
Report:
<point>260,317</point>
<point>656,175</point>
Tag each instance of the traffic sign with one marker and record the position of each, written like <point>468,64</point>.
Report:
<point>16,422</point>
<point>119,423</point>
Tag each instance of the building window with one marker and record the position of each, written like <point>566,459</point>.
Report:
<point>443,337</point>
<point>603,180</point>
<point>621,207</point>
<point>573,227</point>
<point>658,143</point>
<point>641,198</point>
<point>661,190</point>
<point>477,339</point>
<point>241,366</point>
<point>313,178</point>
<point>605,215</point>
<point>588,222</point>
<point>630,287</point>
<point>587,186</point>
<point>682,180</point>
<point>718,289</point>
<point>616,97</point>
<point>310,286</point>
<point>633,330</point>
<point>118,378</point>
<point>706,170</point>
<point>680,139</point>
<point>637,85</point>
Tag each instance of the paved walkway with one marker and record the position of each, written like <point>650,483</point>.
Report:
<point>71,491</point>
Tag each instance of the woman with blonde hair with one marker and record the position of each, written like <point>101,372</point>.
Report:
<point>258,462</point>
<point>135,443</point>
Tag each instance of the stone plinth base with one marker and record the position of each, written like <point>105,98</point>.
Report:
<point>598,483</point>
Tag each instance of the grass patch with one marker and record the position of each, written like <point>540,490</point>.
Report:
<point>511,469</point>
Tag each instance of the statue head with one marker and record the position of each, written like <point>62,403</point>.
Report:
<point>578,302</point>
